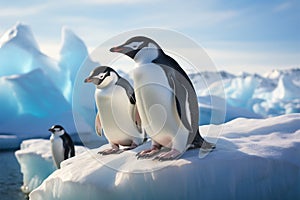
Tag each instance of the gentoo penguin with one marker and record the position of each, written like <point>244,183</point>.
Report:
<point>166,100</point>
<point>62,146</point>
<point>117,114</point>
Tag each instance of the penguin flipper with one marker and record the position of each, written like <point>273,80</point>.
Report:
<point>181,99</point>
<point>66,152</point>
<point>72,154</point>
<point>98,126</point>
<point>128,88</point>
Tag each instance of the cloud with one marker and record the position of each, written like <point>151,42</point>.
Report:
<point>21,11</point>
<point>235,61</point>
<point>107,2</point>
<point>282,7</point>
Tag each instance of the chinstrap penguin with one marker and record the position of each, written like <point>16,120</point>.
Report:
<point>117,112</point>
<point>62,146</point>
<point>166,100</point>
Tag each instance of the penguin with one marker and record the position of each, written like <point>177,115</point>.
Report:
<point>166,100</point>
<point>117,112</point>
<point>62,146</point>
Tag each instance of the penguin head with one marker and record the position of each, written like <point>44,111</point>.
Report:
<point>57,130</point>
<point>136,45</point>
<point>102,77</point>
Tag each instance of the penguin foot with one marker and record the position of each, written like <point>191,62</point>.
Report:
<point>170,155</point>
<point>110,151</point>
<point>149,153</point>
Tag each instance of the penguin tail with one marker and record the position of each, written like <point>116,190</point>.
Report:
<point>145,137</point>
<point>200,142</point>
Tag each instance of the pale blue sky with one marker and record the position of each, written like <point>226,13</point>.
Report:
<point>248,35</point>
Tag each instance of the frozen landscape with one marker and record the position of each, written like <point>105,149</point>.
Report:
<point>254,159</point>
<point>37,90</point>
<point>257,155</point>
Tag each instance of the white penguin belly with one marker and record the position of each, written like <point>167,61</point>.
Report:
<point>57,150</point>
<point>116,116</point>
<point>156,103</point>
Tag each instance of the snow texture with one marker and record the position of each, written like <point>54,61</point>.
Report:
<point>254,159</point>
<point>36,162</point>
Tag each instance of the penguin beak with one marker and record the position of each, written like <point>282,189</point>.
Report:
<point>51,130</point>
<point>118,49</point>
<point>88,80</point>
<point>124,50</point>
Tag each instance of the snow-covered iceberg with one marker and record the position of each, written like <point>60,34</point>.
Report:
<point>273,94</point>
<point>36,162</point>
<point>36,90</point>
<point>254,159</point>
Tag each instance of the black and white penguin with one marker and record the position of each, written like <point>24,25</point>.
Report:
<point>62,146</point>
<point>117,112</point>
<point>166,100</point>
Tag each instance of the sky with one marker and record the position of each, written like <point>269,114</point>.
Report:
<point>254,36</point>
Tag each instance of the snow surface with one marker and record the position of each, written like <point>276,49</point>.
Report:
<point>254,159</point>
<point>36,162</point>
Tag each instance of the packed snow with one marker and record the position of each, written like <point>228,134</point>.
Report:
<point>36,162</point>
<point>254,159</point>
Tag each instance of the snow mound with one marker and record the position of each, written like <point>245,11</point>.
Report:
<point>36,162</point>
<point>254,159</point>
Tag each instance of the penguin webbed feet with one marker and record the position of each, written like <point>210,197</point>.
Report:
<point>149,153</point>
<point>110,151</point>
<point>113,150</point>
<point>169,155</point>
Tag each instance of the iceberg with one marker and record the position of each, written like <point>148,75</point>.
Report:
<point>273,94</point>
<point>35,90</point>
<point>73,54</point>
<point>36,162</point>
<point>254,159</point>
<point>34,103</point>
<point>20,53</point>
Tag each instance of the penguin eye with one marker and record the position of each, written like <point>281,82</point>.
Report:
<point>134,45</point>
<point>102,75</point>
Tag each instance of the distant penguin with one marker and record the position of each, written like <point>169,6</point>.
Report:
<point>166,100</point>
<point>117,113</point>
<point>62,146</point>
